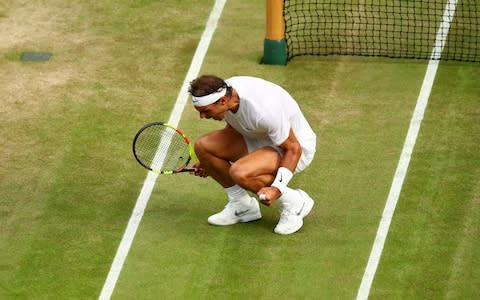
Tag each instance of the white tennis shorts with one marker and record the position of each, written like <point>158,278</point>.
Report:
<point>308,150</point>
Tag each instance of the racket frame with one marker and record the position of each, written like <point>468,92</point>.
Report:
<point>182,168</point>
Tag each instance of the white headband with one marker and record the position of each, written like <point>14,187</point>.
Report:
<point>209,99</point>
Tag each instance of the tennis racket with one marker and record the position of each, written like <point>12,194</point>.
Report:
<point>163,149</point>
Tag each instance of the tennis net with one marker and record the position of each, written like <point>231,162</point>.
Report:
<point>388,28</point>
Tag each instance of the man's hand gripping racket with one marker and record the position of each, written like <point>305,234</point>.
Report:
<point>163,149</point>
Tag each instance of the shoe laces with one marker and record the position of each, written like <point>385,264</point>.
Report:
<point>230,205</point>
<point>234,204</point>
<point>286,211</point>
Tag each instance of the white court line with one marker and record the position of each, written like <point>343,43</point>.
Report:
<point>406,154</point>
<point>149,182</point>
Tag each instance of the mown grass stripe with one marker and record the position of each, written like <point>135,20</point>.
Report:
<point>406,154</point>
<point>149,182</point>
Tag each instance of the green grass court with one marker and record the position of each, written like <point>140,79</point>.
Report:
<point>68,180</point>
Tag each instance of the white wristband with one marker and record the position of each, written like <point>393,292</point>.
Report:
<point>282,179</point>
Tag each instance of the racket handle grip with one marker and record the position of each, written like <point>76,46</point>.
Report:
<point>262,197</point>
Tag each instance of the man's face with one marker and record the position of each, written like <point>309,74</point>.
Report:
<point>214,111</point>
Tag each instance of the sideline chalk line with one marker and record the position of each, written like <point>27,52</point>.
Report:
<point>407,151</point>
<point>149,182</point>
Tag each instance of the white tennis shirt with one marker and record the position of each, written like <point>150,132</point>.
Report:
<point>267,112</point>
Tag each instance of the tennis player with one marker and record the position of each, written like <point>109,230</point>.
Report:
<point>265,142</point>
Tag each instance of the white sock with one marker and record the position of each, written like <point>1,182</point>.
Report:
<point>237,193</point>
<point>289,196</point>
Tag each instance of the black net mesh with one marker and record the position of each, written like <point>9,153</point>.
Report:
<point>397,29</point>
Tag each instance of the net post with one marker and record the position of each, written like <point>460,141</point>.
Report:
<point>274,45</point>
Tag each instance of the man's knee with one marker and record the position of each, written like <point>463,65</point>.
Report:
<point>199,145</point>
<point>224,144</point>
<point>203,145</point>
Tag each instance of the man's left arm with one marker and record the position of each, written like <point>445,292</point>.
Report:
<point>291,155</point>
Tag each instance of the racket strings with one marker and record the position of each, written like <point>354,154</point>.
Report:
<point>162,148</point>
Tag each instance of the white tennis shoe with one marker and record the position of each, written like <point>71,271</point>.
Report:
<point>237,212</point>
<point>293,212</point>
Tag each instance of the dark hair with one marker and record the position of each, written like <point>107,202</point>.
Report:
<point>207,84</point>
